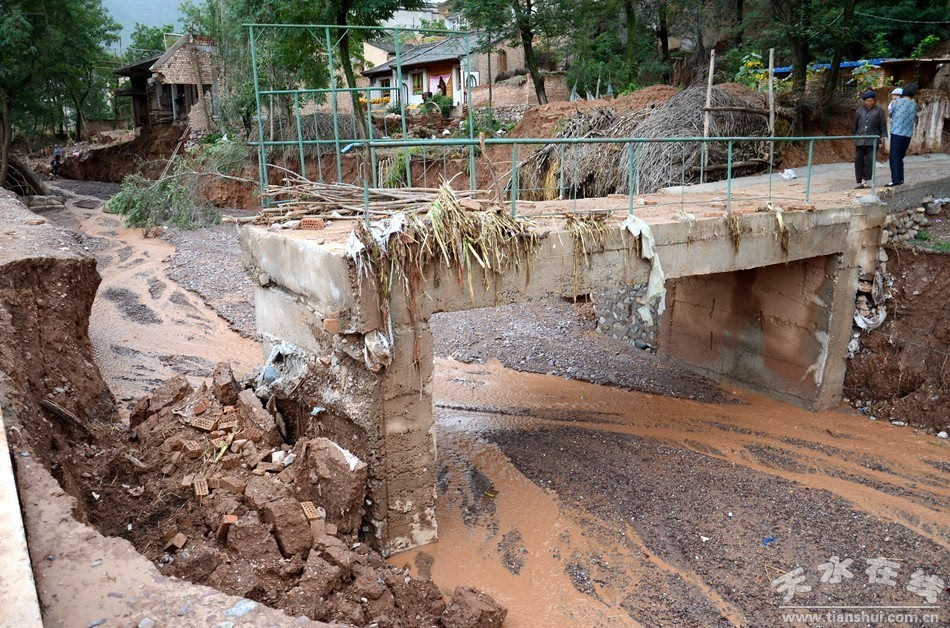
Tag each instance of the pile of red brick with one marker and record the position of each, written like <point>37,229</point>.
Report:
<point>224,501</point>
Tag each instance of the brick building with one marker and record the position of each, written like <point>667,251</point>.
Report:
<point>179,86</point>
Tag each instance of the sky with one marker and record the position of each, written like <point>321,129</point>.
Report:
<point>149,12</point>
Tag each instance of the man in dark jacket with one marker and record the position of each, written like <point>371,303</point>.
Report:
<point>868,120</point>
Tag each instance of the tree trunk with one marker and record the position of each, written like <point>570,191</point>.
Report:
<point>831,79</point>
<point>347,64</point>
<point>6,137</point>
<point>799,47</point>
<point>490,108</point>
<point>663,33</point>
<point>801,50</point>
<point>78,105</point>
<point>740,16</point>
<point>630,11</point>
<point>526,37</point>
<point>700,46</point>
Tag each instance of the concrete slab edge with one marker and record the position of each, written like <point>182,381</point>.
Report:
<point>18,598</point>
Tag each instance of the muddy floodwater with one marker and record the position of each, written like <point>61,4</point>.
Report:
<point>576,503</point>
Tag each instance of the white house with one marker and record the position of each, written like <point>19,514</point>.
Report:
<point>432,68</point>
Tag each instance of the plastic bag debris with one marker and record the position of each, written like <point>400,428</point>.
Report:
<point>875,320</point>
<point>788,174</point>
<point>377,351</point>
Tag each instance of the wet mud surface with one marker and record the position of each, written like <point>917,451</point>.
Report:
<point>660,511</point>
<point>559,338</point>
<point>145,327</point>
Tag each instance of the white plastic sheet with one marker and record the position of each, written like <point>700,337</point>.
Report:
<point>655,286</point>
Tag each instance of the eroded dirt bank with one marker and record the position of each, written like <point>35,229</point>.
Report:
<point>902,369</point>
<point>248,535</point>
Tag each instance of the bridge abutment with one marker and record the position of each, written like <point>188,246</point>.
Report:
<point>763,303</point>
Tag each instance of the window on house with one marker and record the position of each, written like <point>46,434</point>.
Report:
<point>417,82</point>
<point>385,82</point>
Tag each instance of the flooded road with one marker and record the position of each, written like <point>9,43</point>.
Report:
<point>144,327</point>
<point>571,502</point>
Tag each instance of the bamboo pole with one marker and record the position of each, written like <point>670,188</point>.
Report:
<point>707,113</point>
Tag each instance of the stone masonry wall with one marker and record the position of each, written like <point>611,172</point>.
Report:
<point>617,316</point>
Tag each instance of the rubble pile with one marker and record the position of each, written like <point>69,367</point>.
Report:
<point>904,226</point>
<point>207,488</point>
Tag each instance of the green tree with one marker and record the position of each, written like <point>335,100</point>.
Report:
<point>51,58</point>
<point>521,21</point>
<point>146,41</point>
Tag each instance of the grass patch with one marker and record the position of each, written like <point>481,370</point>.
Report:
<point>925,241</point>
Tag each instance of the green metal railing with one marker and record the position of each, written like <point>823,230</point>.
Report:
<point>330,36</point>
<point>365,154</point>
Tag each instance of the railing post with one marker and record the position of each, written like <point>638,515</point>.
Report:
<point>365,195</point>
<point>261,152</point>
<point>336,119</point>
<point>729,179</point>
<point>561,174</point>
<point>630,155</point>
<point>811,150</point>
<point>514,179</point>
<point>303,162</point>
<point>316,136</point>
<point>683,180</point>
<point>402,108</point>
<point>471,114</point>
<point>369,127</point>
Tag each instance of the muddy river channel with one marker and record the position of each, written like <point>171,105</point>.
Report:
<point>578,503</point>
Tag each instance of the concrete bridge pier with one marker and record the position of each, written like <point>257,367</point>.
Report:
<point>766,305</point>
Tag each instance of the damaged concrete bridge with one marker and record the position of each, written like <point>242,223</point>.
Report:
<point>760,300</point>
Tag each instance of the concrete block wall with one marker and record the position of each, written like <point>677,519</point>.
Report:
<point>765,328</point>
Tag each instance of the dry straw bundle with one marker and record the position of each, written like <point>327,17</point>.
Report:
<point>598,169</point>
<point>404,248</point>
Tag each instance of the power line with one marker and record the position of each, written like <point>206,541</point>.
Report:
<point>894,19</point>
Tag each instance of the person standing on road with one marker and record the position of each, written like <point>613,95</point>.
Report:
<point>868,120</point>
<point>903,117</point>
<point>895,96</point>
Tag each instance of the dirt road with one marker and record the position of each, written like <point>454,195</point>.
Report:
<point>145,326</point>
<point>585,504</point>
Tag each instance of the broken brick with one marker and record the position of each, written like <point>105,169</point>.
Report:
<point>193,449</point>
<point>223,385</point>
<point>324,360</point>
<point>201,487</point>
<point>205,424</point>
<point>310,511</point>
<point>230,461</point>
<point>176,542</point>
<point>333,325</point>
<point>201,406</point>
<point>312,223</point>
<point>250,433</point>
<point>220,443</point>
<point>269,467</point>
<point>187,481</point>
<point>226,522</point>
<point>214,482</point>
<point>228,426</point>
<point>233,485</point>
